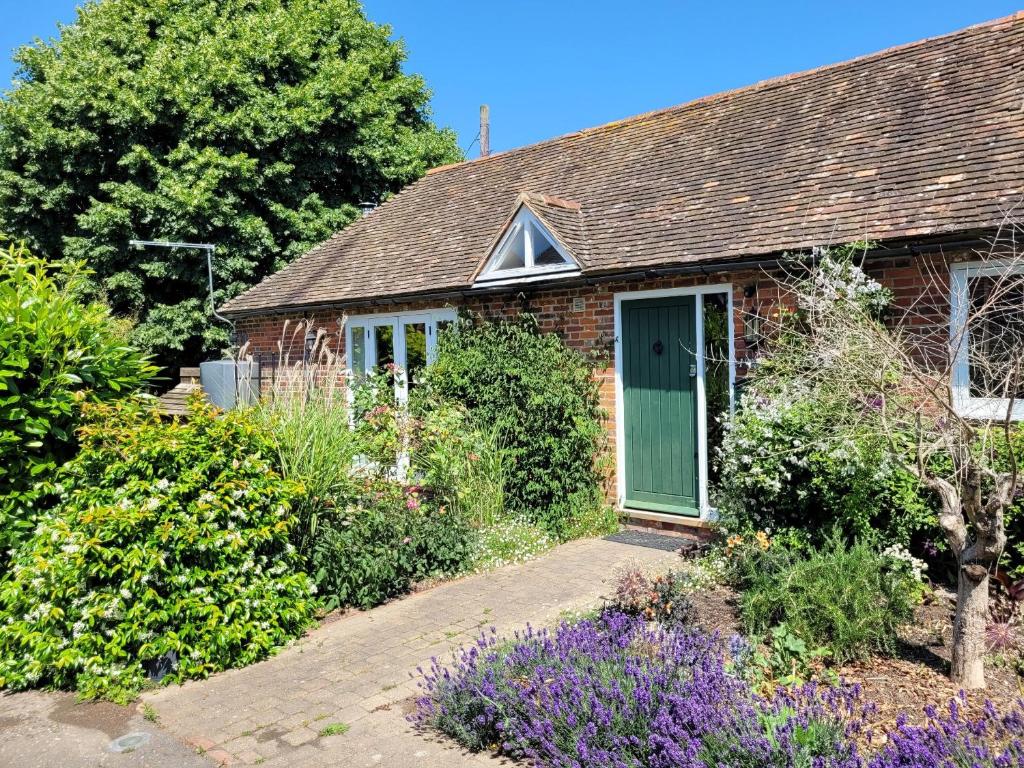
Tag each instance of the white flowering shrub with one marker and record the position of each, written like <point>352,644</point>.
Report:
<point>778,472</point>
<point>837,278</point>
<point>782,464</point>
<point>170,542</point>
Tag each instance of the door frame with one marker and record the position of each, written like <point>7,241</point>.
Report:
<point>699,292</point>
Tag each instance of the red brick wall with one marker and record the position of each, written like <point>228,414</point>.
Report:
<point>919,285</point>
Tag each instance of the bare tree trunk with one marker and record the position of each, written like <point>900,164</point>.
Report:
<point>968,669</point>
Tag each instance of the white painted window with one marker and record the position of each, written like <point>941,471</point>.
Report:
<point>407,340</point>
<point>526,251</point>
<point>985,342</point>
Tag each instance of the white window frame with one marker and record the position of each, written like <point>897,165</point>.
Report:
<point>707,512</point>
<point>368,322</point>
<point>982,408</point>
<point>524,219</point>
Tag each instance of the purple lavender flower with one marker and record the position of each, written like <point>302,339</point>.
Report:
<point>615,693</point>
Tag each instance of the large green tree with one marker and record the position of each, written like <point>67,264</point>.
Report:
<point>257,125</point>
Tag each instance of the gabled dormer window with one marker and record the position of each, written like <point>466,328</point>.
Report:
<point>526,251</point>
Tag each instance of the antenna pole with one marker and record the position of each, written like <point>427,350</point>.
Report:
<point>209,248</point>
<point>485,130</point>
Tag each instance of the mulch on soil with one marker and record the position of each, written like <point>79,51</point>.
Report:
<point>915,677</point>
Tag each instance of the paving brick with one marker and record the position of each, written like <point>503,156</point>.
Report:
<point>299,736</point>
<point>220,757</point>
<point>277,708</point>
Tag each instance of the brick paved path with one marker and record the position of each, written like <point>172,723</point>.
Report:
<point>356,670</point>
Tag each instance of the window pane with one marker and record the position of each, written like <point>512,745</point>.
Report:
<point>716,375</point>
<point>513,255</point>
<point>415,351</point>
<point>384,344</point>
<point>995,335</point>
<point>544,252</point>
<point>357,363</point>
<point>548,256</point>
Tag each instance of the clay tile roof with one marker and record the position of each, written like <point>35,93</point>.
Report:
<point>565,220</point>
<point>925,139</point>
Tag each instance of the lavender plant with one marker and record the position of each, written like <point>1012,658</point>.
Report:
<point>614,693</point>
<point>952,740</point>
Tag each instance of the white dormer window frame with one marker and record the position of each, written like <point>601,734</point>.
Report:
<point>533,232</point>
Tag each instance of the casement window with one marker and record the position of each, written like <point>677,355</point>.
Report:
<point>526,251</point>
<point>405,341</point>
<point>986,334</point>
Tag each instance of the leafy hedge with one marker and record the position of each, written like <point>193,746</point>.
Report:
<point>168,539</point>
<point>57,350</point>
<point>541,398</point>
<point>384,542</point>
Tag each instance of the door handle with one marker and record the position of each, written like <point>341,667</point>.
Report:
<point>693,370</point>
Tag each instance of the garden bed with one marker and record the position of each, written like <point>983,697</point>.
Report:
<point>904,683</point>
<point>919,673</point>
<point>616,690</point>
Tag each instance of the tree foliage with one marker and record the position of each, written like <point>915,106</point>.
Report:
<point>257,126</point>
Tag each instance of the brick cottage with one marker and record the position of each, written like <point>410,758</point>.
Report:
<point>652,237</point>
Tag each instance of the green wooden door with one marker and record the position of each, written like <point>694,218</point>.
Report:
<point>659,371</point>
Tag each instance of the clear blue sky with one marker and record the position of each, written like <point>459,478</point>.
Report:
<point>548,68</point>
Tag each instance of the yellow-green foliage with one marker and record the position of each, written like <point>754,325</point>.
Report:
<point>168,538</point>
<point>56,351</point>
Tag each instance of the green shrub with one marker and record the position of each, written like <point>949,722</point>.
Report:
<point>169,538</point>
<point>389,496</point>
<point>383,542</point>
<point>848,599</point>
<point>57,350</point>
<point>779,471</point>
<point>541,398</point>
